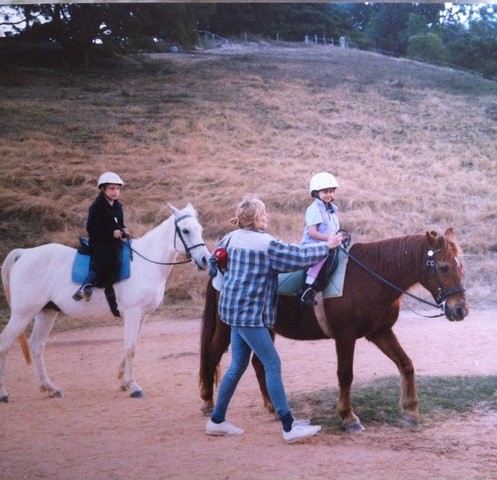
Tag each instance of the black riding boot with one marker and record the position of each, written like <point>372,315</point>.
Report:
<point>111,300</point>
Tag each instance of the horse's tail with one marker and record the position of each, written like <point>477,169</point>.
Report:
<point>206,335</point>
<point>25,347</point>
<point>7,266</point>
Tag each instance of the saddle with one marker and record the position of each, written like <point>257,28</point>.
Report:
<point>330,279</point>
<point>81,264</point>
<point>81,267</point>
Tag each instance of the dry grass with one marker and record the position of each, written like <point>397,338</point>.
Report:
<point>412,146</point>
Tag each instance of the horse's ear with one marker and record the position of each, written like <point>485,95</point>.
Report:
<point>432,238</point>
<point>173,209</point>
<point>449,234</point>
<point>189,207</point>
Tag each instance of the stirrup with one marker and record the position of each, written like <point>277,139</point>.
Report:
<point>308,297</point>
<point>84,291</point>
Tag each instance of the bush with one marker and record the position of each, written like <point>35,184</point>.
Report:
<point>428,46</point>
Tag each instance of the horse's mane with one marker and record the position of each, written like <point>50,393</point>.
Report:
<point>374,252</point>
<point>189,209</point>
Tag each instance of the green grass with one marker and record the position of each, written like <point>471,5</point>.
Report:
<point>376,402</point>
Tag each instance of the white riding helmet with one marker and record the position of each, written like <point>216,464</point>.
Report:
<point>321,181</point>
<point>110,177</point>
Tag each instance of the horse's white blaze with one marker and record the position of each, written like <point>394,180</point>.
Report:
<point>43,274</point>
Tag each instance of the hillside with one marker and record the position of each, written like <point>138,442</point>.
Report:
<point>412,146</point>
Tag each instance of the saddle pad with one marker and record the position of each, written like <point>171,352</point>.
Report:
<point>291,283</point>
<point>81,266</point>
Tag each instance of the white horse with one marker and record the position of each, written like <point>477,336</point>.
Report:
<point>37,284</point>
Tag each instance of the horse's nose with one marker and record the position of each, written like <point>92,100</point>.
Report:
<point>203,263</point>
<point>457,313</point>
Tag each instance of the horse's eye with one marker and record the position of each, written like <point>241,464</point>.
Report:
<point>444,269</point>
<point>186,231</point>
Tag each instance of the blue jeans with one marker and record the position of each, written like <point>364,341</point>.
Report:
<point>244,340</point>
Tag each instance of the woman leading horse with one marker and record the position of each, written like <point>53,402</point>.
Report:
<point>368,308</point>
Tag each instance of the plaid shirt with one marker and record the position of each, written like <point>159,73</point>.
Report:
<point>249,294</point>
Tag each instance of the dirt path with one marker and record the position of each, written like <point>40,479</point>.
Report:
<point>98,432</point>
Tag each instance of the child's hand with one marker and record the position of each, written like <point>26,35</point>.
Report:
<point>118,234</point>
<point>334,240</point>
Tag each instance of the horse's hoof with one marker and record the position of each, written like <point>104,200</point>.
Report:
<point>355,428</point>
<point>137,394</point>
<point>56,394</point>
<point>5,399</point>
<point>207,411</point>
<point>411,423</point>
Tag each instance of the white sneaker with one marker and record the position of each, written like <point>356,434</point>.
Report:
<point>300,429</point>
<point>224,428</point>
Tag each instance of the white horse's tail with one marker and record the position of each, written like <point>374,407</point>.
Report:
<point>7,265</point>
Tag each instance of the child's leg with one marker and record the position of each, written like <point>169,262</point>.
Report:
<point>313,272</point>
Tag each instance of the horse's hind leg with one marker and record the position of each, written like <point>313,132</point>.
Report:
<point>387,342</point>
<point>9,335</point>
<point>210,362</point>
<point>43,325</point>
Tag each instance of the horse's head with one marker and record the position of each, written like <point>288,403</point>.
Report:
<point>189,233</point>
<point>443,276</point>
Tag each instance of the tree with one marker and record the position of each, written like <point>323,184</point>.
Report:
<point>291,21</point>
<point>76,27</point>
<point>389,23</point>
<point>474,44</point>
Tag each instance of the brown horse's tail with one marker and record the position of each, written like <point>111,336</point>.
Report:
<point>7,266</point>
<point>207,333</point>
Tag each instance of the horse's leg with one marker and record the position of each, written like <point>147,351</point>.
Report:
<point>345,346</point>
<point>120,372</point>
<point>217,346</point>
<point>387,342</point>
<point>44,322</point>
<point>16,326</point>
<point>132,321</point>
<point>261,378</point>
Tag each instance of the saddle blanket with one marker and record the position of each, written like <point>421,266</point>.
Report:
<point>81,265</point>
<point>292,283</point>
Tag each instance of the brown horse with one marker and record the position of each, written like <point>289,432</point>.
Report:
<point>368,308</point>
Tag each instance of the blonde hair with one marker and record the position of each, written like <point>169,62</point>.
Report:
<point>248,212</point>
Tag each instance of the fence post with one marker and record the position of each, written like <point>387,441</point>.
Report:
<point>306,40</point>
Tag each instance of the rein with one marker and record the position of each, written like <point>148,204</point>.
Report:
<point>177,233</point>
<point>430,264</point>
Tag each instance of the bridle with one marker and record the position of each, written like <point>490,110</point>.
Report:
<point>177,233</point>
<point>441,296</point>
